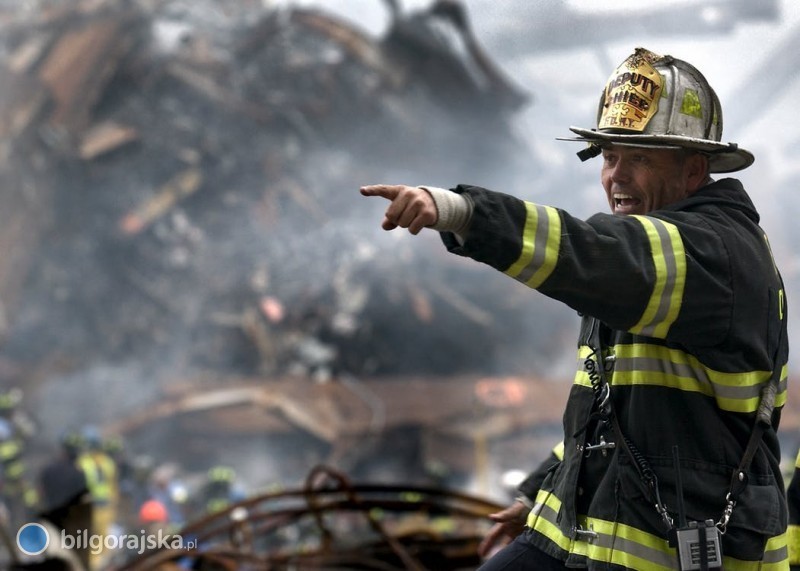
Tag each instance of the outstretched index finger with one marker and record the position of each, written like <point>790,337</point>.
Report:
<point>388,191</point>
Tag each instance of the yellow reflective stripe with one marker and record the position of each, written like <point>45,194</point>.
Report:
<point>541,240</point>
<point>793,543</point>
<point>646,364</point>
<point>783,382</point>
<point>581,376</point>
<point>100,472</point>
<point>543,516</point>
<point>776,558</point>
<point>669,259</point>
<point>626,546</point>
<point>31,497</point>
<point>633,548</point>
<point>616,543</point>
<point>558,450</point>
<point>14,470</point>
<point>776,553</point>
<point>781,303</point>
<point>9,449</point>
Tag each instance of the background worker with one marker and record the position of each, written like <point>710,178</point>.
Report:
<point>17,491</point>
<point>101,479</point>
<point>219,491</point>
<point>65,500</point>
<point>670,458</point>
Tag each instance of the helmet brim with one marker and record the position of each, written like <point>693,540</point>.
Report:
<point>722,157</point>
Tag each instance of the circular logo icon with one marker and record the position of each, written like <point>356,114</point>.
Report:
<point>32,538</point>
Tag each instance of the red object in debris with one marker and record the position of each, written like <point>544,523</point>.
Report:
<point>153,511</point>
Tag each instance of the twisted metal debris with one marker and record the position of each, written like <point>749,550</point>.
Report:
<point>331,523</point>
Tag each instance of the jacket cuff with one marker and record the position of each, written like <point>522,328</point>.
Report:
<point>455,210</point>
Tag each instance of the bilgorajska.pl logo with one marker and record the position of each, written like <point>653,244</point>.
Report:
<point>129,541</point>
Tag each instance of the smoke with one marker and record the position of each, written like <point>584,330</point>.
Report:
<point>280,124</point>
<point>242,186</point>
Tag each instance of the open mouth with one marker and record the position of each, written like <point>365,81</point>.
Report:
<point>625,203</point>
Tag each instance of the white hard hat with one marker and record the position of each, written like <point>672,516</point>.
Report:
<point>664,102</point>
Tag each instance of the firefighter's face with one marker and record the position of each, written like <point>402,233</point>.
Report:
<point>639,180</point>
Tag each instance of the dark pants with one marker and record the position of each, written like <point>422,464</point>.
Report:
<point>521,555</point>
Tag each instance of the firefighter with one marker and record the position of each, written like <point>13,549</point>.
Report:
<point>65,500</point>
<point>220,490</point>
<point>19,495</point>
<point>671,456</point>
<point>114,447</point>
<point>62,483</point>
<point>101,479</point>
<point>167,488</point>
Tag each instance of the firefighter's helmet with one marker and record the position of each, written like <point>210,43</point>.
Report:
<point>92,438</point>
<point>72,442</point>
<point>663,102</point>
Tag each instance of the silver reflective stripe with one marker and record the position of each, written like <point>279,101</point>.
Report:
<point>669,285</point>
<point>680,375</point>
<point>612,542</point>
<point>541,240</point>
<point>618,545</point>
<point>669,264</point>
<point>539,248</point>
<point>778,555</point>
<point>646,364</point>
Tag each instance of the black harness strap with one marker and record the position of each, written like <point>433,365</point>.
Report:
<point>646,473</point>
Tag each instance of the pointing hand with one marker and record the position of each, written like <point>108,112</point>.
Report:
<point>411,207</point>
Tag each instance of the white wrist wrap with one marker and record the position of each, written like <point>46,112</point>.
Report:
<point>455,210</point>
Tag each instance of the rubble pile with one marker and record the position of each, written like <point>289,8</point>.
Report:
<point>195,172</point>
<point>189,265</point>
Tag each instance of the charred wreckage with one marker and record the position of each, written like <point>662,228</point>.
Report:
<point>180,205</point>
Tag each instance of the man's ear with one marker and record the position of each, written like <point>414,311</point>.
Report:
<point>696,172</point>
